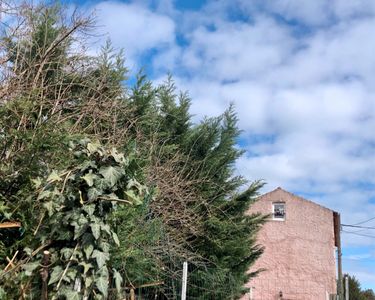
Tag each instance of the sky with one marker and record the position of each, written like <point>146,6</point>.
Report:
<point>301,75</point>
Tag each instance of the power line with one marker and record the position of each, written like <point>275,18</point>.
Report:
<point>357,226</point>
<point>373,218</point>
<point>360,234</point>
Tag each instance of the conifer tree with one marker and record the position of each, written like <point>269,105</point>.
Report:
<point>50,95</point>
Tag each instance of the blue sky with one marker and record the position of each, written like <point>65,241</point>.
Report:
<point>301,75</point>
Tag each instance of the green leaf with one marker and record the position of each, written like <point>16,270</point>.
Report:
<point>115,238</point>
<point>89,209</point>
<point>66,253</point>
<point>118,157</point>
<point>95,228</point>
<point>88,249</point>
<point>71,294</point>
<point>79,229</point>
<point>44,194</point>
<point>111,174</point>
<point>88,281</point>
<point>28,251</point>
<point>30,267</point>
<point>53,177</point>
<point>71,274</point>
<point>89,178</point>
<point>55,275</point>
<point>3,295</point>
<point>37,182</point>
<point>100,257</point>
<point>86,266</point>
<point>93,193</point>
<point>102,282</point>
<point>104,246</point>
<point>94,147</point>
<point>133,197</point>
<point>106,228</point>
<point>118,280</point>
<point>49,207</point>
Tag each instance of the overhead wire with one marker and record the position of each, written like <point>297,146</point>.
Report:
<point>363,222</point>
<point>359,234</point>
<point>357,226</point>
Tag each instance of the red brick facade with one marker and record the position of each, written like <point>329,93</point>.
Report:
<point>299,259</point>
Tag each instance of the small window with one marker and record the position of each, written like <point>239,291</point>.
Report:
<point>278,211</point>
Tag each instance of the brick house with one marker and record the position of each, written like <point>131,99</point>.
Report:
<point>299,256</point>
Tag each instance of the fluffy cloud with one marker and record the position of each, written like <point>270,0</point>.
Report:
<point>301,77</point>
<point>135,28</point>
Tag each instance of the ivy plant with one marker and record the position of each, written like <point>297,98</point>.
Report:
<point>74,225</point>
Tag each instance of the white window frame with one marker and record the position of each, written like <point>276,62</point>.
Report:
<point>273,211</point>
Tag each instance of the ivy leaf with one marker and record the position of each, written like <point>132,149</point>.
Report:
<point>94,147</point>
<point>93,193</point>
<point>133,183</point>
<point>101,258</point>
<point>89,178</point>
<point>118,280</point>
<point>44,194</point>
<point>95,228</point>
<point>66,253</point>
<point>49,207</point>
<point>104,246</point>
<point>71,294</point>
<point>28,251</point>
<point>55,275</point>
<point>53,177</point>
<point>88,281</point>
<point>37,182</point>
<point>88,249</point>
<point>86,266</point>
<point>118,157</point>
<point>30,267</point>
<point>115,238</point>
<point>89,209</point>
<point>111,174</point>
<point>133,197</point>
<point>79,230</point>
<point>71,274</point>
<point>102,282</point>
<point>87,164</point>
<point>106,228</point>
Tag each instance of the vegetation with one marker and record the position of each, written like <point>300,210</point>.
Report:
<point>114,185</point>
<point>356,292</point>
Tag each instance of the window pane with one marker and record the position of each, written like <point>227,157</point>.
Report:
<point>279,210</point>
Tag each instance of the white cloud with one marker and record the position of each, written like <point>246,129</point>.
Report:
<point>306,90</point>
<point>135,28</point>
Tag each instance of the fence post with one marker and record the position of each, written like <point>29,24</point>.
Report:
<point>44,274</point>
<point>184,280</point>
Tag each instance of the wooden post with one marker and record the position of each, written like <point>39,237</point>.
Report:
<point>132,294</point>
<point>44,274</point>
<point>184,281</point>
<point>337,224</point>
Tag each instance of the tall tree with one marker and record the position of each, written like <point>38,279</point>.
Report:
<point>356,292</point>
<point>51,94</point>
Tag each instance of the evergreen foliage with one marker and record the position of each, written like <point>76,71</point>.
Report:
<point>65,189</point>
<point>356,292</point>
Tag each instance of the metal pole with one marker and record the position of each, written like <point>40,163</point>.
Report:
<point>346,287</point>
<point>184,281</point>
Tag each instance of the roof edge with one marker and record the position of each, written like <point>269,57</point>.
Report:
<point>296,196</point>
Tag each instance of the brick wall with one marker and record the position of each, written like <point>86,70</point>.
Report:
<point>299,252</point>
